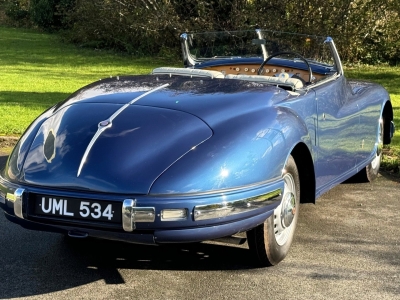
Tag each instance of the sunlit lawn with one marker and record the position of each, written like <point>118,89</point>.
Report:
<point>38,70</point>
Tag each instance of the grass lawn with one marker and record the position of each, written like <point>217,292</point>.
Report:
<point>38,70</point>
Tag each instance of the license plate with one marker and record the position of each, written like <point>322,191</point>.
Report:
<point>81,209</point>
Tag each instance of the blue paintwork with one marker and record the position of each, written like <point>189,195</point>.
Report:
<point>346,120</point>
<point>198,141</point>
<point>135,129</point>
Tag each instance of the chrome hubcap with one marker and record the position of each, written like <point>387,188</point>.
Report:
<point>379,146</point>
<point>288,210</point>
<point>285,213</point>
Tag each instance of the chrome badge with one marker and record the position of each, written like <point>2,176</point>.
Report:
<point>49,147</point>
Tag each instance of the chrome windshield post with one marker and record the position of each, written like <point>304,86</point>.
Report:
<point>263,48</point>
<point>335,54</point>
<point>187,58</point>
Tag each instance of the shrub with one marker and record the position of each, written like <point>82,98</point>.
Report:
<point>365,31</point>
<point>51,14</point>
<point>17,11</point>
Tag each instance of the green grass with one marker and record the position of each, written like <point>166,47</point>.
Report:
<point>38,70</point>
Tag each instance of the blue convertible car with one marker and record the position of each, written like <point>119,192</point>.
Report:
<point>255,123</point>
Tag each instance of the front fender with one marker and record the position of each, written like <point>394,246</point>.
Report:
<point>17,157</point>
<point>245,150</point>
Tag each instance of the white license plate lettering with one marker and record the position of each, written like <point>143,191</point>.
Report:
<point>65,211</point>
<point>96,210</point>
<point>84,209</point>
<point>108,213</point>
<point>45,209</point>
<point>75,208</point>
<point>55,206</point>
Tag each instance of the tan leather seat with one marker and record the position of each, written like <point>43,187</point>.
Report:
<point>294,83</point>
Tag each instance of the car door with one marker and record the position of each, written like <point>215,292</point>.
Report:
<point>337,131</point>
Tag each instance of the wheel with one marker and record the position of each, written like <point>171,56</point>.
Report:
<point>269,242</point>
<point>370,172</point>
<point>310,76</point>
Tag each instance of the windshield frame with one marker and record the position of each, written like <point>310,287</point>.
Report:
<point>192,61</point>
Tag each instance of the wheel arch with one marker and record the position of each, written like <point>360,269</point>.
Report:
<point>305,166</point>
<point>387,115</point>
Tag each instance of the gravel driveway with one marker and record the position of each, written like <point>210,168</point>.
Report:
<point>347,246</point>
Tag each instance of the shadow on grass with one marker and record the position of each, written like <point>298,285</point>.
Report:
<point>31,99</point>
<point>388,77</point>
<point>19,109</point>
<point>22,47</point>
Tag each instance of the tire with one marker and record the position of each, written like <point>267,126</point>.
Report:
<point>373,168</point>
<point>269,242</point>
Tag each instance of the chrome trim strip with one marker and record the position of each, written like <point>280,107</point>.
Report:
<point>103,125</point>
<point>225,209</point>
<point>323,81</point>
<point>256,185</point>
<point>100,130</point>
<point>132,214</point>
<point>19,193</point>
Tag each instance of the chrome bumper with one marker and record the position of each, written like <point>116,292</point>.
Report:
<point>217,208</point>
<point>132,214</point>
<point>16,199</point>
<point>226,209</point>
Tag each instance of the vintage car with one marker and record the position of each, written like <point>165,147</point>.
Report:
<point>226,147</point>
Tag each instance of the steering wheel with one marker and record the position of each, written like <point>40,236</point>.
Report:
<point>282,53</point>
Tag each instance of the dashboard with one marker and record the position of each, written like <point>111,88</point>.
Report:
<point>269,70</point>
